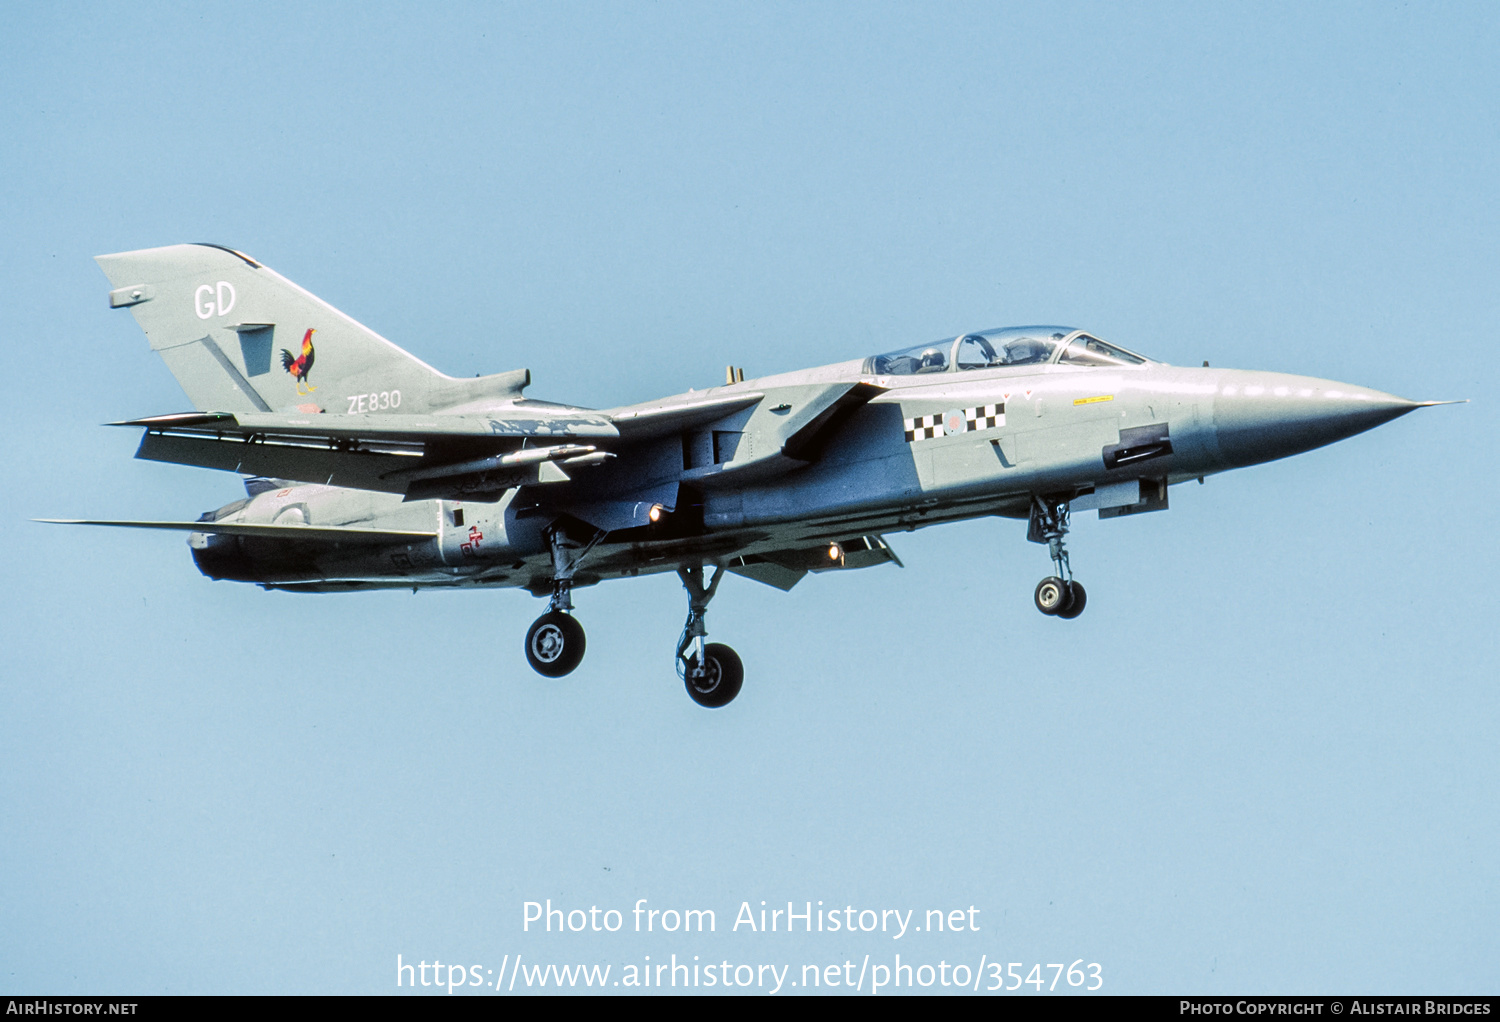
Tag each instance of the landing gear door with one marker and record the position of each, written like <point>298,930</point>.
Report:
<point>1153,498</point>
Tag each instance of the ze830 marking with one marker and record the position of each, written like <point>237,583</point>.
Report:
<point>376,402</point>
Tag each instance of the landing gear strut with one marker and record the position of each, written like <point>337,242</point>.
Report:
<point>1057,595</point>
<point>711,671</point>
<point>555,642</point>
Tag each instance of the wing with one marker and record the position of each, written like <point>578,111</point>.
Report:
<point>479,456</point>
<point>313,533</point>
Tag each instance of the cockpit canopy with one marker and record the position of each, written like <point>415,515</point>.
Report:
<point>1003,348</point>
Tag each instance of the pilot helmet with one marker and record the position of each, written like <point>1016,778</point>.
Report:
<point>1024,350</point>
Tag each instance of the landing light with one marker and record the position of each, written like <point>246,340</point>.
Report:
<point>656,512</point>
<point>835,552</point>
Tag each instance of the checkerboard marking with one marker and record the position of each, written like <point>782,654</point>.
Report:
<point>928,427</point>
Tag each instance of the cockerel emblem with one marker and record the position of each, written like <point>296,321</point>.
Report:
<point>300,365</point>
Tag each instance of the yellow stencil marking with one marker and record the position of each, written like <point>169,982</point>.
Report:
<point>1091,400</point>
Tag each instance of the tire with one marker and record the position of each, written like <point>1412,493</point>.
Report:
<point>722,678</point>
<point>555,644</point>
<point>1051,595</point>
<point>1076,604</point>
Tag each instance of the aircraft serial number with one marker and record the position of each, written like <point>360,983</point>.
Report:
<point>374,402</point>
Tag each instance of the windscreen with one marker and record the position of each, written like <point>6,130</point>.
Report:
<point>1084,350</point>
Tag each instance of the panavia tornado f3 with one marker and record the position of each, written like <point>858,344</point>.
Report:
<point>368,469</point>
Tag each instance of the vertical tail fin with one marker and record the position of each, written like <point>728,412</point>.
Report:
<point>239,337</point>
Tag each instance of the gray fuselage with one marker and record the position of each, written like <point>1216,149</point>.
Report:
<point>926,448</point>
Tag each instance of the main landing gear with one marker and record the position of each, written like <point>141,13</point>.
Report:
<point>555,642</point>
<point>711,671</point>
<point>1056,595</point>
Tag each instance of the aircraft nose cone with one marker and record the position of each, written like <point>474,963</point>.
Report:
<point>1264,416</point>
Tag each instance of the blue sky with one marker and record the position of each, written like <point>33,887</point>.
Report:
<point>1262,761</point>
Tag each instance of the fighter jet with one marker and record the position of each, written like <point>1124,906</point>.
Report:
<point>368,469</point>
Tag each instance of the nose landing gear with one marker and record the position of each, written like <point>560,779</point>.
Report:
<point>712,672</point>
<point>1056,595</point>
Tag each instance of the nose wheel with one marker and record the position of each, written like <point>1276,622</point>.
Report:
<point>1056,595</point>
<point>1057,598</point>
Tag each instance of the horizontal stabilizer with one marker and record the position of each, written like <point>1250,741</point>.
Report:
<point>313,533</point>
